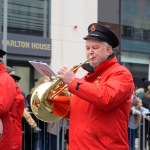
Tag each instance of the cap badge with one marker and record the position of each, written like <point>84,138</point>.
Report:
<point>93,28</point>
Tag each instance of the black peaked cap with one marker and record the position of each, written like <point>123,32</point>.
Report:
<point>15,77</point>
<point>2,53</point>
<point>99,32</point>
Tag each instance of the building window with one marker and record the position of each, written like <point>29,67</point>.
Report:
<point>29,17</point>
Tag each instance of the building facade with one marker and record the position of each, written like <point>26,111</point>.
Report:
<point>52,31</point>
<point>28,37</point>
<point>129,20</point>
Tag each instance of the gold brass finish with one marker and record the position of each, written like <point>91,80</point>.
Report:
<point>40,106</point>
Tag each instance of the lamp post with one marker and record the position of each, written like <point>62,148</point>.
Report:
<point>5,29</point>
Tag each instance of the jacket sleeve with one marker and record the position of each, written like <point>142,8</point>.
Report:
<point>110,93</point>
<point>7,94</point>
<point>135,111</point>
<point>144,110</point>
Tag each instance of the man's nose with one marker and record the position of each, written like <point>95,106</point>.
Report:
<point>91,51</point>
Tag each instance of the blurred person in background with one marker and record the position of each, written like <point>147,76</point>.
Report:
<point>143,94</point>
<point>17,130</point>
<point>55,130</point>
<point>8,92</point>
<point>40,140</point>
<point>146,104</point>
<point>137,110</point>
<point>31,122</point>
<point>140,92</point>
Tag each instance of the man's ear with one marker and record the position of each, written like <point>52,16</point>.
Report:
<point>109,50</point>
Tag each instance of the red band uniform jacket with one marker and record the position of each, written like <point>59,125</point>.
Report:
<point>100,108</point>
<point>7,107</point>
<point>17,131</point>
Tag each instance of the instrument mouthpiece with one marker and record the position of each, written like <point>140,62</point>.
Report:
<point>90,57</point>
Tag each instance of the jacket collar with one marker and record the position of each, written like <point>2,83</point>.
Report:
<point>102,67</point>
<point>90,69</point>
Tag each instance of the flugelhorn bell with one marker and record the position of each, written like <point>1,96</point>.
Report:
<point>51,101</point>
<point>46,109</point>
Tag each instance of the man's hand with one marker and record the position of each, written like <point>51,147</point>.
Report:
<point>66,74</point>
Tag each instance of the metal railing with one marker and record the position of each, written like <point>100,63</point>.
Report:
<point>42,140</point>
<point>143,139</point>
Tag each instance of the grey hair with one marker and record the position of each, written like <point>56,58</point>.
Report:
<point>1,60</point>
<point>106,44</point>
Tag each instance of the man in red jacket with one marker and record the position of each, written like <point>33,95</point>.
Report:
<point>100,105</point>
<point>17,130</point>
<point>7,105</point>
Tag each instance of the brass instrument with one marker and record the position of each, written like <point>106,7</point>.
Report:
<point>51,101</point>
